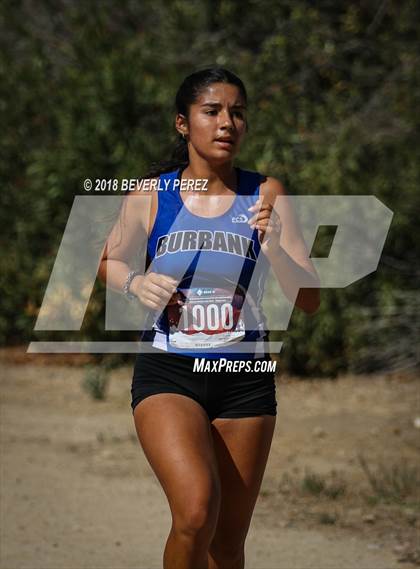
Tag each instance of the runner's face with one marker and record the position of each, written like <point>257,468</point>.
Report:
<point>217,122</point>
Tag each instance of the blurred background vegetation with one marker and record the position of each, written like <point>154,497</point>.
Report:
<point>87,90</point>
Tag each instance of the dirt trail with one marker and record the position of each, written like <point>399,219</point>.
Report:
<point>77,492</point>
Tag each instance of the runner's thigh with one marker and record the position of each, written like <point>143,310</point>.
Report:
<point>242,447</point>
<point>175,434</point>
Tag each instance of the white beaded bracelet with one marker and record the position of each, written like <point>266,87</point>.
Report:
<point>126,287</point>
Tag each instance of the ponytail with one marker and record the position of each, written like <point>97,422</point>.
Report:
<point>179,159</point>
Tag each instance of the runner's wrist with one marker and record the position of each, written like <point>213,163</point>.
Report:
<point>135,283</point>
<point>126,289</point>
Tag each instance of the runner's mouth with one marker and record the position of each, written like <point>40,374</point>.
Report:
<point>226,143</point>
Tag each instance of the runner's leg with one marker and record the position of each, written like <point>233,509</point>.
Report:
<point>175,434</point>
<point>242,447</point>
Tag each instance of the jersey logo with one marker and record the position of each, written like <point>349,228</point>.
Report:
<point>223,241</point>
<point>242,218</point>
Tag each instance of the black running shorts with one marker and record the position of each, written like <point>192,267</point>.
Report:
<point>220,393</point>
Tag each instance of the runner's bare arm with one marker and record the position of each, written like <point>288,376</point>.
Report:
<point>128,235</point>
<point>290,260</point>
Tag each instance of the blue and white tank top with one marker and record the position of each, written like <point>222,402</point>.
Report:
<point>216,311</point>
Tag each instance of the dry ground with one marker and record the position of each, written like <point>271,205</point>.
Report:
<point>77,492</point>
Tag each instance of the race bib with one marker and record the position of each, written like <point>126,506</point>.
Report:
<point>206,317</point>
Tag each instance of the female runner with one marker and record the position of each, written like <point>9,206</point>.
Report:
<point>207,434</point>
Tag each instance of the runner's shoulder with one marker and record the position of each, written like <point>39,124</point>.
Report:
<point>140,204</point>
<point>145,187</point>
<point>137,197</point>
<point>271,188</point>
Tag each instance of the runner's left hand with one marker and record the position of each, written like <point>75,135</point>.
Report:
<point>268,223</point>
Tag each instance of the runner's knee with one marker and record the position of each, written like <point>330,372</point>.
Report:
<point>198,517</point>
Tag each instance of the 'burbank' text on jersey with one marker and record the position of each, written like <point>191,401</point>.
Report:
<point>223,241</point>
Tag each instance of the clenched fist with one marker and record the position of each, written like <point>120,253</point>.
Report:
<point>154,290</point>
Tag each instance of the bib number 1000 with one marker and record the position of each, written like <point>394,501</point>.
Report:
<point>208,317</point>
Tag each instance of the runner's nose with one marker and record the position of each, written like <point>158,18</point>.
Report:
<point>226,120</point>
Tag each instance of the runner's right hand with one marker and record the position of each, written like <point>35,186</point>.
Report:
<point>154,290</point>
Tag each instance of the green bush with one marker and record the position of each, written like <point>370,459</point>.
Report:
<point>87,90</point>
